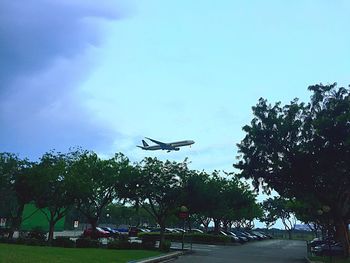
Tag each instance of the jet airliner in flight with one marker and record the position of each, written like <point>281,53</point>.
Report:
<point>171,146</point>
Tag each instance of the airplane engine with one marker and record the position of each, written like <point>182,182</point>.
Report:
<point>176,149</point>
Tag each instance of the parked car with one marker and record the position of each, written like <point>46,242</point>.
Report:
<point>233,236</point>
<point>195,230</point>
<point>167,230</point>
<point>180,230</point>
<point>223,233</point>
<point>98,234</point>
<point>112,231</point>
<point>133,231</point>
<point>329,250</point>
<point>240,235</point>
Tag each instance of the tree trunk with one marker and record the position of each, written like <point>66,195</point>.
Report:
<point>16,221</point>
<point>162,235</point>
<point>93,223</point>
<point>342,235</point>
<point>289,234</point>
<point>51,230</point>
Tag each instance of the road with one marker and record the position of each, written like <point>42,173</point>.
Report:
<point>268,251</point>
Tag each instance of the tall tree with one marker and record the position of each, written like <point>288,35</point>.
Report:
<point>303,151</point>
<point>96,182</point>
<point>157,187</point>
<point>54,188</point>
<point>15,190</point>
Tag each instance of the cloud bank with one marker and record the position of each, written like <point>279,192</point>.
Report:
<point>47,47</point>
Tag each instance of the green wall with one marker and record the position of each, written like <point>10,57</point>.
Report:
<point>35,218</point>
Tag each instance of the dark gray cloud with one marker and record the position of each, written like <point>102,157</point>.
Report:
<point>45,52</point>
<point>33,32</point>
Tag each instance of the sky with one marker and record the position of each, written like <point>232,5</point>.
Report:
<point>102,75</point>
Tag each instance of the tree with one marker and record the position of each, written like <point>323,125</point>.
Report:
<point>96,183</point>
<point>15,190</point>
<point>303,151</point>
<point>157,187</point>
<point>268,218</point>
<point>217,198</point>
<point>54,188</point>
<point>278,207</point>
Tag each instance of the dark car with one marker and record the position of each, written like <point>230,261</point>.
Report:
<point>98,234</point>
<point>329,250</point>
<point>133,231</point>
<point>234,237</point>
<point>240,235</point>
<point>223,233</point>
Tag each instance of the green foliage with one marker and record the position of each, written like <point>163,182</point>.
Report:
<point>95,181</point>
<point>156,186</point>
<point>15,190</point>
<point>302,151</point>
<point>278,207</point>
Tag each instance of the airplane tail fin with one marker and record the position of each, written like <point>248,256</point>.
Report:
<point>145,144</point>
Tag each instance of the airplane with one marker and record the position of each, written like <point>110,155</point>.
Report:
<point>172,146</point>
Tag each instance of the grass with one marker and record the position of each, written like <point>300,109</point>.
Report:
<point>327,259</point>
<point>29,254</point>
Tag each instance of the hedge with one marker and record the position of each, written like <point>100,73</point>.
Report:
<point>195,237</point>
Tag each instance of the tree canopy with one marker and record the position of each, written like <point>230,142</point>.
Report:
<point>302,150</point>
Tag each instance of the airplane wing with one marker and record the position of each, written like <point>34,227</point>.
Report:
<point>158,142</point>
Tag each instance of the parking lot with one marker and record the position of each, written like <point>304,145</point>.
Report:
<point>267,251</point>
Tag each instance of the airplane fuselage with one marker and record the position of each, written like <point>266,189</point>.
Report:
<point>173,146</point>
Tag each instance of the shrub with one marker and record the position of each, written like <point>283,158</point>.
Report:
<point>37,233</point>
<point>149,241</point>
<point>34,242</point>
<point>87,243</point>
<point>63,242</point>
<point>195,237</point>
<point>4,232</point>
<point>119,244</point>
<point>135,245</point>
<point>113,244</point>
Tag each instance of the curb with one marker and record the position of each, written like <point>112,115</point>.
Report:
<point>167,257</point>
<point>310,261</point>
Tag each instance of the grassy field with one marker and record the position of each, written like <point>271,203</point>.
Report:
<point>29,254</point>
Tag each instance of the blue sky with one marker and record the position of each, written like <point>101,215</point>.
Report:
<point>104,74</point>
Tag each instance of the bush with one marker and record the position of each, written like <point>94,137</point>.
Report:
<point>63,242</point>
<point>87,243</point>
<point>4,232</point>
<point>195,237</point>
<point>149,241</point>
<point>119,244</point>
<point>34,242</point>
<point>37,233</point>
<point>135,245</point>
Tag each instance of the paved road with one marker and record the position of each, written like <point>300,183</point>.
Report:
<point>268,251</point>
